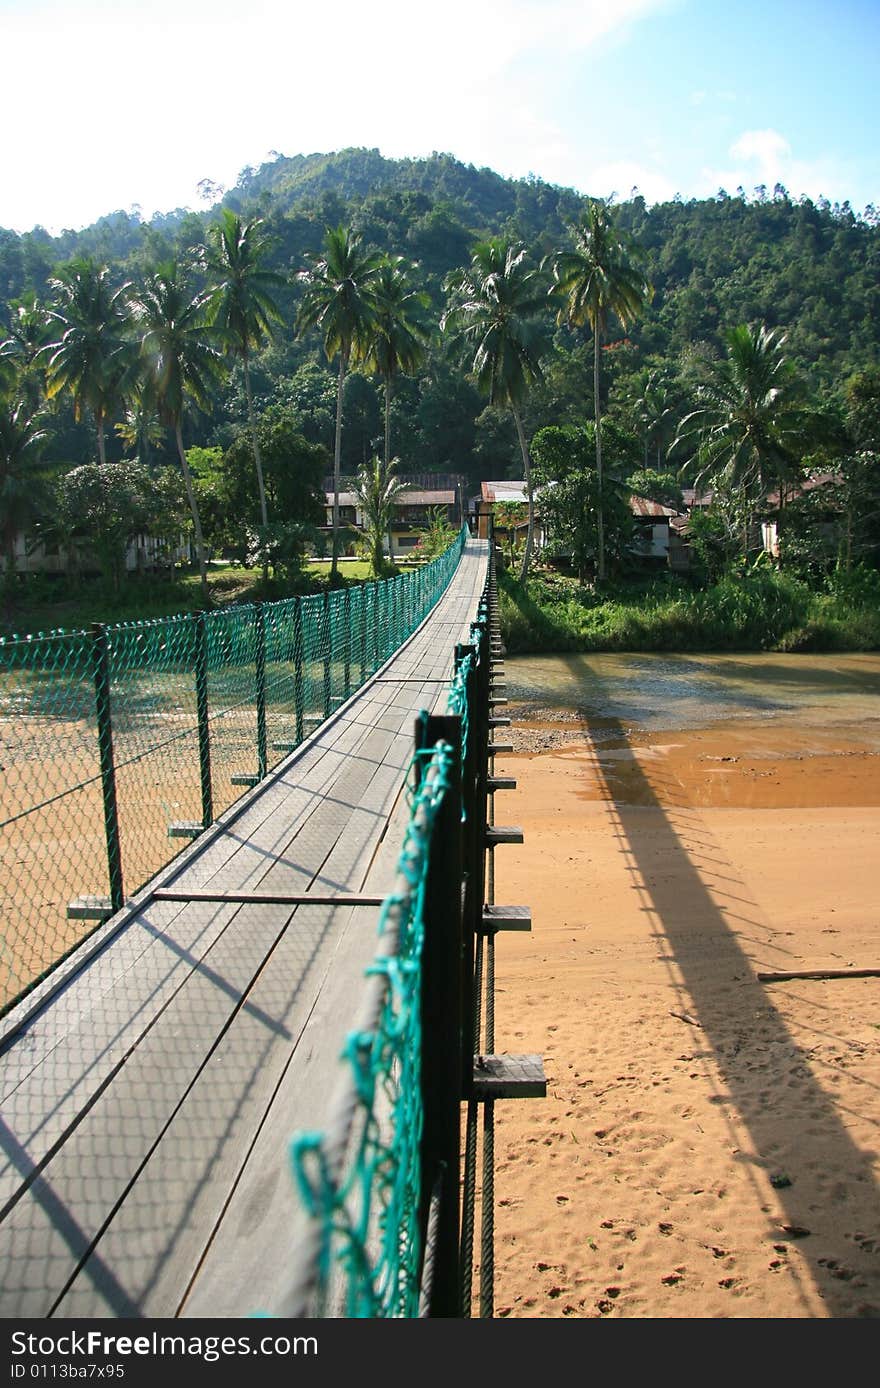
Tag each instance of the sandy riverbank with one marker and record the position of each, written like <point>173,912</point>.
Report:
<point>709,1144</point>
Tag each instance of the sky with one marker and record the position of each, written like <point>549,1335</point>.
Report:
<point>125,104</point>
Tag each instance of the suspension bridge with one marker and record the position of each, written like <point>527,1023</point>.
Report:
<point>153,1077</point>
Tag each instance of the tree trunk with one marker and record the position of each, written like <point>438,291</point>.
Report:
<point>258,462</point>
<point>194,512</point>
<point>527,556</point>
<point>102,455</point>
<point>337,462</point>
<point>600,516</point>
<point>7,586</point>
<point>387,423</point>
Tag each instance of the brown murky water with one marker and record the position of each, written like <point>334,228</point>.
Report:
<point>763,731</point>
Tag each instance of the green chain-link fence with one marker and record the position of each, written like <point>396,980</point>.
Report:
<point>362,1180</point>
<point>120,744</point>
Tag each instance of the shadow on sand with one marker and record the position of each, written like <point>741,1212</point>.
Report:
<point>704,920</point>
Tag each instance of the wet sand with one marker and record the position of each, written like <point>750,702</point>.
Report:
<point>709,1143</point>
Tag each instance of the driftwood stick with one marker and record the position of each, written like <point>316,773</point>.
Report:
<point>818,973</point>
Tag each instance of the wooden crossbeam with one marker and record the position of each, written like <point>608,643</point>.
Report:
<point>268,898</point>
<point>509,1077</point>
<point>506,918</point>
<point>502,833</point>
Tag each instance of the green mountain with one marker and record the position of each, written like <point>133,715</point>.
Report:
<point>812,269</point>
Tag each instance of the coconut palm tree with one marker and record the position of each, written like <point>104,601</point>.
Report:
<point>242,304</point>
<point>140,428</point>
<point>182,361</point>
<point>600,276</point>
<point>653,407</point>
<point>22,351</point>
<point>493,313</point>
<point>21,485</point>
<point>399,334</point>
<point>340,302</point>
<point>377,490</point>
<point>92,356</point>
<point>749,424</point>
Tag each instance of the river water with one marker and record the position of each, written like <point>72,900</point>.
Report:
<point>649,693</point>
<point>749,731</point>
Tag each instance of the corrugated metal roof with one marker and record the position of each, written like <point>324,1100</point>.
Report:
<point>405,498</point>
<point>641,506</point>
<point>414,498</point>
<point>504,491</point>
<point>809,484</point>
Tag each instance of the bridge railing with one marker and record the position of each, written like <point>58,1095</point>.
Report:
<point>384,1234</point>
<point>121,743</point>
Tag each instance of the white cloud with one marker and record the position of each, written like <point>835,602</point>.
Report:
<point>766,148</point>
<point>620,177</point>
<point>766,157</point>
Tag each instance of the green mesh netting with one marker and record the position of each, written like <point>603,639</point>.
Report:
<point>118,745</point>
<point>361,1182</point>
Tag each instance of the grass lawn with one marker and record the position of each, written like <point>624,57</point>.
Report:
<point>44,604</point>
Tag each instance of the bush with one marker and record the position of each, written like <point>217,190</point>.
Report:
<point>760,610</point>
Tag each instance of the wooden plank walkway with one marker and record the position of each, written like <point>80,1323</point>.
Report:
<point>151,1087</point>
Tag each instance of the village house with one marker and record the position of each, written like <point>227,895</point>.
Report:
<point>423,497</point>
<point>655,538</point>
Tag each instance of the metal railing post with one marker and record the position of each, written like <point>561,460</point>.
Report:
<point>346,618</point>
<point>200,638</point>
<point>325,642</point>
<point>101,671</point>
<point>260,687</point>
<point>298,693</point>
<point>442,1022</point>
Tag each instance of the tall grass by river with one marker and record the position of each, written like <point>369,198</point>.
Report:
<point>756,611</point>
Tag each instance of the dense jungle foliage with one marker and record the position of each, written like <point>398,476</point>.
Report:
<point>812,269</point>
<point>736,349</point>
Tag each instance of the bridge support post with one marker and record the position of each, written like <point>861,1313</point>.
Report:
<point>298,696</point>
<point>325,644</point>
<point>200,638</point>
<point>260,687</point>
<point>443,1047</point>
<point>101,672</point>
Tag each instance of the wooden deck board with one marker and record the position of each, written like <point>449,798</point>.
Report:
<point>153,1092</point>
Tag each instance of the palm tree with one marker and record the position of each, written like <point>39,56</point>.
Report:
<point>600,276</point>
<point>242,304</point>
<point>340,301</point>
<point>29,333</point>
<point>92,356</point>
<point>749,423</point>
<point>493,313</point>
<point>399,334</point>
<point>140,428</point>
<point>182,361</point>
<point>377,490</point>
<point>653,407</point>
<point>20,483</point>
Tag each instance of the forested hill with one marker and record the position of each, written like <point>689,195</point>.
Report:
<point>812,269</point>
